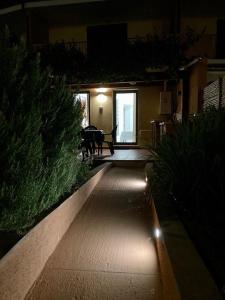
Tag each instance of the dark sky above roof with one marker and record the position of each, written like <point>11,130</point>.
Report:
<point>147,8</point>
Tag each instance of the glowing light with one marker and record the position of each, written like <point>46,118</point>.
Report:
<point>101,99</point>
<point>139,183</point>
<point>157,233</point>
<point>146,179</point>
<point>101,90</point>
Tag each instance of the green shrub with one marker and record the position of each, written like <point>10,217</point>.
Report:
<point>190,166</point>
<point>39,138</point>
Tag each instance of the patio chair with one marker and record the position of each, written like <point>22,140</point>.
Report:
<point>90,143</point>
<point>110,142</point>
<point>85,145</point>
<point>90,127</point>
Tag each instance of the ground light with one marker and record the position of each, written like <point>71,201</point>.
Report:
<point>139,183</point>
<point>157,233</point>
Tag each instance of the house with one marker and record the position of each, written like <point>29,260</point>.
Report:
<point>99,29</point>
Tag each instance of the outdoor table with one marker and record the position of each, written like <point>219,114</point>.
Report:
<point>93,136</point>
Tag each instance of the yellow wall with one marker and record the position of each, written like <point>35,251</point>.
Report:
<point>67,33</point>
<point>102,120</point>
<point>148,109</point>
<point>78,33</point>
<point>206,46</point>
<point>198,24</point>
<point>142,28</point>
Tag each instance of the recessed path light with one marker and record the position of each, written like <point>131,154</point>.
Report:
<point>157,233</point>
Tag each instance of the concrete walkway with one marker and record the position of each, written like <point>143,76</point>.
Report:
<point>108,252</point>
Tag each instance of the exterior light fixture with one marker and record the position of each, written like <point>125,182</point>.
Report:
<point>101,100</point>
<point>101,90</point>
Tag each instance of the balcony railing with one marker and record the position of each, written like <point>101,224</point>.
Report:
<point>82,45</point>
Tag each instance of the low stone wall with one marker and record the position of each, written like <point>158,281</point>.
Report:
<point>170,287</point>
<point>184,275</point>
<point>22,265</point>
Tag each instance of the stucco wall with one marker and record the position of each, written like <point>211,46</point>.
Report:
<point>67,33</point>
<point>142,28</point>
<point>101,119</point>
<point>206,46</point>
<point>200,23</point>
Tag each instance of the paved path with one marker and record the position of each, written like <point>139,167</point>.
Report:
<point>125,155</point>
<point>107,253</point>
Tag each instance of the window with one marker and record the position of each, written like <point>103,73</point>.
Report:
<point>84,99</point>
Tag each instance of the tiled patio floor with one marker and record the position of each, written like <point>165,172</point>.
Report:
<point>108,252</point>
<point>125,155</point>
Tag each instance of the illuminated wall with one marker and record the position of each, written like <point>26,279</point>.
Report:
<point>148,109</point>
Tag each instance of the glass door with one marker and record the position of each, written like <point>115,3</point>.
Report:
<point>125,114</point>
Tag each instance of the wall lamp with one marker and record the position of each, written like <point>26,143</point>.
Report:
<point>101,97</point>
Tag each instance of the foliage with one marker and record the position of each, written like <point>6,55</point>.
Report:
<point>190,166</point>
<point>169,50</point>
<point>63,59</point>
<point>132,60</point>
<point>39,138</point>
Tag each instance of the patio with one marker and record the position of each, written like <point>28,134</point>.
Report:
<point>124,155</point>
<point>108,252</point>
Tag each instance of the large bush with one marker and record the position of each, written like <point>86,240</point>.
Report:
<point>190,166</point>
<point>39,138</point>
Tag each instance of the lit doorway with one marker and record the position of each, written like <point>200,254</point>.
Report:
<point>125,116</point>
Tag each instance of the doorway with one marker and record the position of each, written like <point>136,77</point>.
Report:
<point>125,116</point>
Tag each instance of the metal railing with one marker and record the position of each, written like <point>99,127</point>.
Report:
<point>82,45</point>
